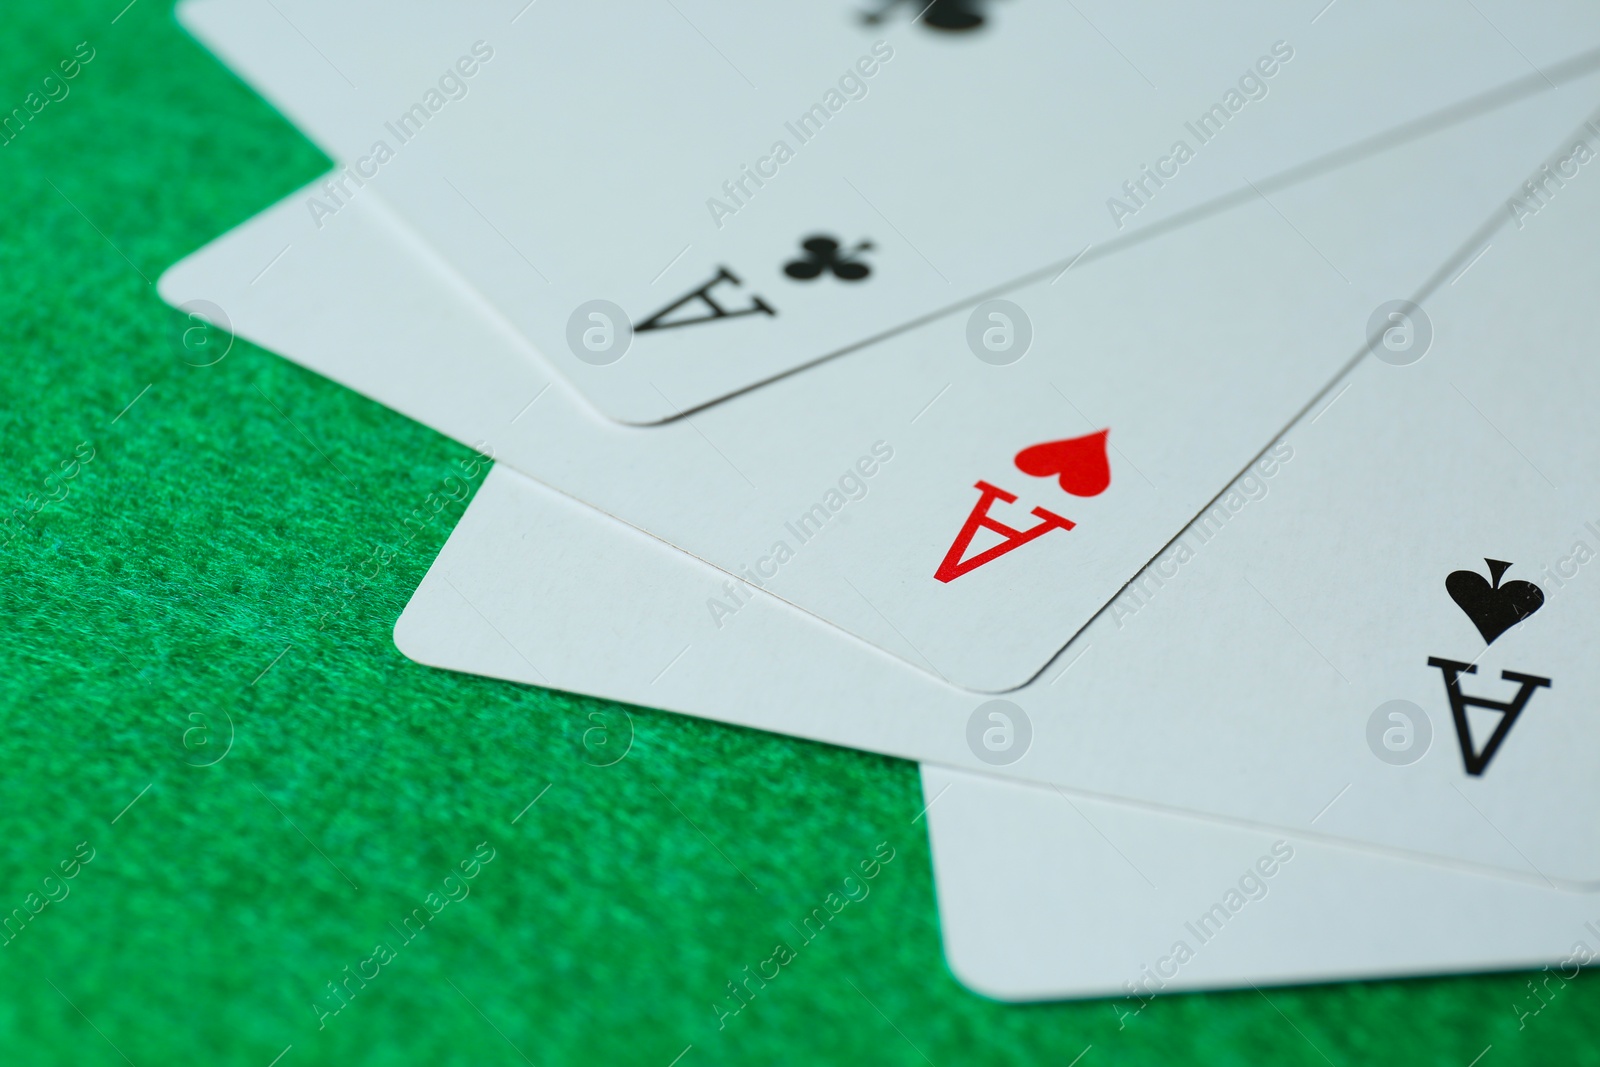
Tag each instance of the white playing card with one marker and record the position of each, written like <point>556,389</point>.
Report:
<point>1298,656</point>
<point>1206,725</point>
<point>877,492</point>
<point>1043,895</point>
<point>562,154</point>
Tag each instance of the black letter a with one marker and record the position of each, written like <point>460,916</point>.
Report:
<point>1477,762</point>
<point>703,294</point>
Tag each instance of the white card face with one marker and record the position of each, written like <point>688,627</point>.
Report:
<point>966,516</point>
<point>1044,896</point>
<point>1362,489</point>
<point>1299,657</point>
<point>1043,893</point>
<point>676,160</point>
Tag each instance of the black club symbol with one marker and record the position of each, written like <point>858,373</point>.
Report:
<point>954,15</point>
<point>822,253</point>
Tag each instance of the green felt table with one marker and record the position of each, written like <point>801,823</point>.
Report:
<point>197,679</point>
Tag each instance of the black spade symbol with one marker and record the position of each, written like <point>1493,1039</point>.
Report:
<point>1493,608</point>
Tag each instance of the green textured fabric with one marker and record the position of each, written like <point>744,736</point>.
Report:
<point>205,579</point>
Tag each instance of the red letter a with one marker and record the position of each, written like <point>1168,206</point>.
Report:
<point>954,566</point>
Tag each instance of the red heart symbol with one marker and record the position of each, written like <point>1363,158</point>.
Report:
<point>1079,463</point>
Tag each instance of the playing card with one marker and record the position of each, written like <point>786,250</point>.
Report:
<point>1042,893</point>
<point>674,202</point>
<point>1045,895</point>
<point>965,495</point>
<point>1379,633</point>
